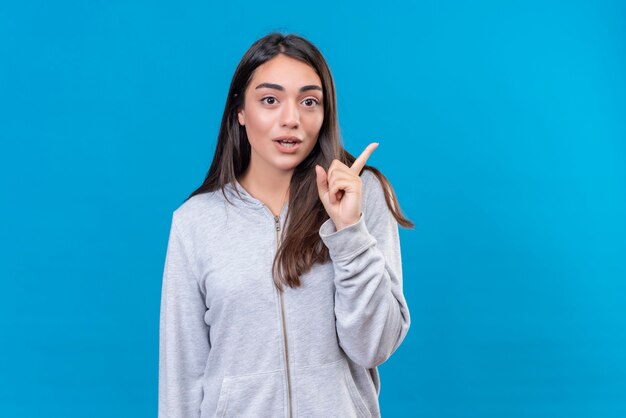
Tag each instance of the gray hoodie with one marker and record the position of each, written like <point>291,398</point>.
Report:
<point>231,345</point>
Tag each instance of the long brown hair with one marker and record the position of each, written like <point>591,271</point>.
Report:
<point>301,245</point>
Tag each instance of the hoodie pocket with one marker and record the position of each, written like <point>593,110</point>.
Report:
<point>328,390</point>
<point>252,395</point>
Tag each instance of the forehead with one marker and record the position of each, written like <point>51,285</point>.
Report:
<point>288,72</point>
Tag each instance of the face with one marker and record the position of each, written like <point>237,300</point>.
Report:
<point>283,99</point>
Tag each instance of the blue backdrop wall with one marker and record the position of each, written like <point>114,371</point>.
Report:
<point>501,126</point>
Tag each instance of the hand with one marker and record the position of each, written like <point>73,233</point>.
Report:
<point>340,189</point>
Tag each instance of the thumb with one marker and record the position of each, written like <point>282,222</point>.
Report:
<point>322,181</point>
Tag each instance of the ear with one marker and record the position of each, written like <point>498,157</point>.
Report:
<point>242,117</point>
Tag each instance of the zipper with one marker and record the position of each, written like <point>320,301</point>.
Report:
<point>284,326</point>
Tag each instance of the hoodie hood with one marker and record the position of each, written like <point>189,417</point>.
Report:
<point>246,200</point>
<point>240,197</point>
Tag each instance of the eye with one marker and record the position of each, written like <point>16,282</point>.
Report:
<point>310,102</point>
<point>269,100</point>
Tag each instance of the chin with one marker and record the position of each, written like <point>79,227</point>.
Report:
<point>287,166</point>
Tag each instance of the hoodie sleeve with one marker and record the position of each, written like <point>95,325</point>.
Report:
<point>372,316</point>
<point>183,334</point>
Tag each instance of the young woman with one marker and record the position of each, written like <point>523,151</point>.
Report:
<point>282,286</point>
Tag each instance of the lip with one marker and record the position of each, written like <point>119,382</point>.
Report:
<point>287,150</point>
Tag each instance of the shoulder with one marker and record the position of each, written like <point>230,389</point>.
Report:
<point>368,177</point>
<point>375,208</point>
<point>373,190</point>
<point>195,210</point>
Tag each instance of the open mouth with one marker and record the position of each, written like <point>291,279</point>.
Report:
<point>286,143</point>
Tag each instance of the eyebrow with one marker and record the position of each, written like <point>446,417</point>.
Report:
<point>281,88</point>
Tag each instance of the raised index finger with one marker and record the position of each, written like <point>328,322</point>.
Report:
<point>359,163</point>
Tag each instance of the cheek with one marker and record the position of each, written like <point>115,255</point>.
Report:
<point>259,121</point>
<point>314,124</point>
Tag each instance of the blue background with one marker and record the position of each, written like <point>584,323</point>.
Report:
<point>501,126</point>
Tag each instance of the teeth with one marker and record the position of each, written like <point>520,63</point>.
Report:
<point>287,144</point>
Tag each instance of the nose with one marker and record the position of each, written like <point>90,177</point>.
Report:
<point>290,116</point>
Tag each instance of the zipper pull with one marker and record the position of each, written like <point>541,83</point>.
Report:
<point>277,221</point>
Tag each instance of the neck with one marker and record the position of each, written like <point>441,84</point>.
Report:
<point>267,184</point>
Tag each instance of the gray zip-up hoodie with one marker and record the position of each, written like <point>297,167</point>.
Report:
<point>231,345</point>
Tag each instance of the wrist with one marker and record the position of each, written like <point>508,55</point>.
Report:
<point>341,225</point>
